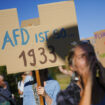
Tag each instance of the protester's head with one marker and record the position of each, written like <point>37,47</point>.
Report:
<point>23,75</point>
<point>43,75</point>
<point>28,73</point>
<point>81,55</point>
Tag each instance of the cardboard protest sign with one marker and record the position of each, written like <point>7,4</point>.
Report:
<point>37,47</point>
<point>30,22</point>
<point>93,42</point>
<point>8,20</point>
<point>58,15</point>
<point>29,50</point>
<point>100,45</point>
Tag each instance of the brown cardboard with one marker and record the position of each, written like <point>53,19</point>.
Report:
<point>30,22</point>
<point>100,41</point>
<point>8,20</point>
<point>98,46</point>
<point>16,64</point>
<point>58,34</point>
<point>93,42</point>
<point>58,14</point>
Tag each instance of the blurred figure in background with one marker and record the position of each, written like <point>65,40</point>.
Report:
<point>49,90</point>
<point>5,94</point>
<point>21,88</point>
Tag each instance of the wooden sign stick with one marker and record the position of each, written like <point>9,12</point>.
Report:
<point>39,84</point>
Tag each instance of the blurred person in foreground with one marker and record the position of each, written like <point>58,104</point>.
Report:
<point>82,60</point>
<point>21,88</point>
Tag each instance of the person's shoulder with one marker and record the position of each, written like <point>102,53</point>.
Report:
<point>19,83</point>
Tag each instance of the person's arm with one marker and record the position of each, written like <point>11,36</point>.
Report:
<point>50,94</point>
<point>20,92</point>
<point>64,71</point>
<point>41,91</point>
<point>87,92</point>
<point>48,99</point>
<point>86,98</point>
<point>56,90</point>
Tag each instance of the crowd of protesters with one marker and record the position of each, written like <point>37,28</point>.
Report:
<point>87,85</point>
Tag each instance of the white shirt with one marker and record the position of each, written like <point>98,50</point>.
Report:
<point>21,87</point>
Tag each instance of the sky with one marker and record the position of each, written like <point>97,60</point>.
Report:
<point>90,13</point>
